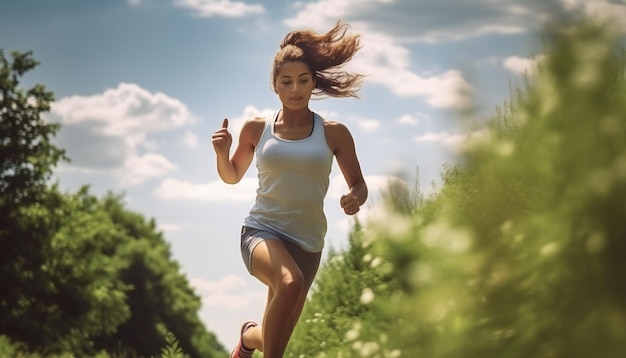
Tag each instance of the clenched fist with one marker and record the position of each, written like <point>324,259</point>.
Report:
<point>350,204</point>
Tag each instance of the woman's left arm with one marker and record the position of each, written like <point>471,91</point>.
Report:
<point>342,144</point>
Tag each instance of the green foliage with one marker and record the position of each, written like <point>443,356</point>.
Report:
<point>343,305</point>
<point>27,156</point>
<point>160,297</point>
<point>520,253</point>
<point>81,276</point>
<point>172,349</point>
<point>7,347</point>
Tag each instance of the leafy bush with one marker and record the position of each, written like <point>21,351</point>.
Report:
<point>520,252</point>
<point>523,253</point>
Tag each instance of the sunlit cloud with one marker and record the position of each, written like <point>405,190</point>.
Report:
<point>366,124</point>
<point>408,120</point>
<point>230,292</point>
<point>387,63</point>
<point>125,110</point>
<point>169,228</point>
<point>189,140</point>
<point>384,60</point>
<point>220,8</point>
<point>375,185</point>
<point>429,21</point>
<point>454,141</point>
<point>320,15</point>
<point>522,65</point>
<point>606,10</point>
<point>215,191</point>
<point>445,138</point>
<point>110,132</point>
<point>138,169</point>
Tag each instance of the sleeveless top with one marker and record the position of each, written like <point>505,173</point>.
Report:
<point>293,181</point>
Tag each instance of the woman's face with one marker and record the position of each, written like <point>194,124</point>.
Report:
<point>294,85</point>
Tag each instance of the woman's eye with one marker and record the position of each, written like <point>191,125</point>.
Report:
<point>286,83</point>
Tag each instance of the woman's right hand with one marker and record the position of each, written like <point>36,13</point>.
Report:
<point>222,140</point>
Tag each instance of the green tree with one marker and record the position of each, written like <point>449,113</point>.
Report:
<point>82,295</point>
<point>160,298</point>
<point>80,275</point>
<point>27,158</point>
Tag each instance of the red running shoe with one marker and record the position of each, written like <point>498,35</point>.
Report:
<point>240,351</point>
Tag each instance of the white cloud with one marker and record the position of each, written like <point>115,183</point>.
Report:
<point>109,132</point>
<point>443,35</point>
<point>522,65</point>
<point>322,14</point>
<point>224,8</point>
<point>614,11</point>
<point>189,140</point>
<point>430,21</point>
<point>230,292</point>
<point>138,169</point>
<point>440,137</point>
<point>123,111</point>
<point>367,125</point>
<point>408,120</point>
<point>375,184</point>
<point>387,64</point>
<point>169,228</point>
<point>453,141</point>
<point>382,58</point>
<point>214,191</point>
<point>388,26</point>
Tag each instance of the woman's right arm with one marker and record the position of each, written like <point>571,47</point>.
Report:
<point>232,169</point>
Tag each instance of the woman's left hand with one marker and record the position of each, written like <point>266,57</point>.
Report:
<point>350,204</point>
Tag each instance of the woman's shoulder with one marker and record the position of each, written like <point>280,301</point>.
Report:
<point>255,124</point>
<point>335,127</point>
<point>337,134</point>
<point>252,130</point>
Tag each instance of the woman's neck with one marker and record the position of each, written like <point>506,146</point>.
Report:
<point>295,117</point>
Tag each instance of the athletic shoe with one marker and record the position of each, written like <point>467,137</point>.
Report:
<point>240,351</point>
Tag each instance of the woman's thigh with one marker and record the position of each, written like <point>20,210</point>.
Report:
<point>272,263</point>
<point>275,258</point>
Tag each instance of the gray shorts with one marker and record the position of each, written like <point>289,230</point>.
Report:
<point>251,237</point>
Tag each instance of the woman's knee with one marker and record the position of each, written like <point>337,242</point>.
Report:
<point>291,285</point>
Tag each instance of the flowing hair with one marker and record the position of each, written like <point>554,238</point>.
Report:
<point>324,54</point>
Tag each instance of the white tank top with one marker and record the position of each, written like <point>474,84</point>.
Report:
<point>293,181</point>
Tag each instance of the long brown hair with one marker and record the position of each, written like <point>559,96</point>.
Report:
<point>325,54</point>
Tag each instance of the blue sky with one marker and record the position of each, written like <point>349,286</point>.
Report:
<point>141,85</point>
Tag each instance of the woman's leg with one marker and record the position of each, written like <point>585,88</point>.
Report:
<point>308,263</point>
<point>288,271</point>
